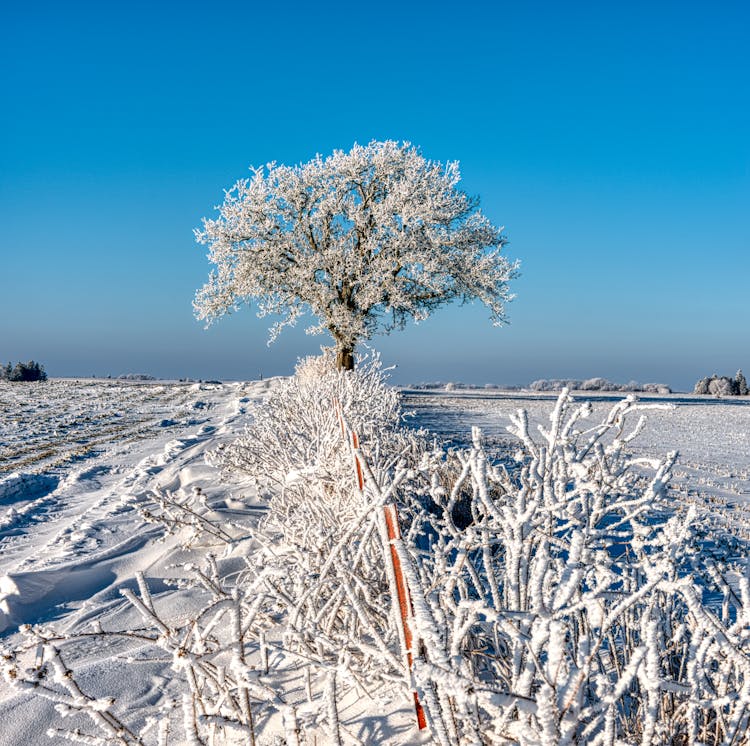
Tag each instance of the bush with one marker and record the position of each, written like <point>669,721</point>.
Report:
<point>136,377</point>
<point>295,440</point>
<point>570,610</point>
<point>321,534</point>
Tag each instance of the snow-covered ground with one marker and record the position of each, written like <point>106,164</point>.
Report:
<point>78,459</point>
<point>712,436</point>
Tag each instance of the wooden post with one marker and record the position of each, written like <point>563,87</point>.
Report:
<point>402,590</point>
<point>404,602</point>
<point>357,465</point>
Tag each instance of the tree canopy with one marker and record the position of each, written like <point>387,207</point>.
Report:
<point>31,371</point>
<point>716,385</point>
<point>364,241</point>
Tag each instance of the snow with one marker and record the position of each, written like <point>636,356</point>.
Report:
<point>76,460</point>
<point>79,460</point>
<point>711,435</point>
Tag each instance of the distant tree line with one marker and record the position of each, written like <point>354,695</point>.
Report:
<point>722,385</point>
<point>557,384</point>
<point>30,371</point>
<point>599,384</point>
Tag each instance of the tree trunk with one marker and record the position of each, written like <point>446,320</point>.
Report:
<point>344,357</point>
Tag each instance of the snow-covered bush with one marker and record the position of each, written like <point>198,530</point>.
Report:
<point>571,609</point>
<point>722,386</point>
<point>741,381</point>
<point>294,448</point>
<point>136,377</point>
<point>321,531</point>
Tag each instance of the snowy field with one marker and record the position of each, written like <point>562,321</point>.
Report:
<point>51,426</point>
<point>712,436</point>
<point>76,460</point>
<point>79,460</point>
<point>73,459</point>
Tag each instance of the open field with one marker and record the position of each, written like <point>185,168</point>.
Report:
<point>711,436</point>
<point>51,425</point>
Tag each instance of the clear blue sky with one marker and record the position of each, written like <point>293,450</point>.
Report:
<point>611,139</point>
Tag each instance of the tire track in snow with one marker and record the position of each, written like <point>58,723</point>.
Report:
<point>86,536</point>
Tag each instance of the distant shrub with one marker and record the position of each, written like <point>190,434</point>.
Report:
<point>31,371</point>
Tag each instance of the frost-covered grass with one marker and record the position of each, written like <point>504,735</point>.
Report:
<point>562,591</point>
<point>59,421</point>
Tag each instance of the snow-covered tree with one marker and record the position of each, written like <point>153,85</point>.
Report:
<point>716,385</point>
<point>702,386</point>
<point>741,382</point>
<point>31,371</point>
<point>722,386</point>
<point>364,240</point>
